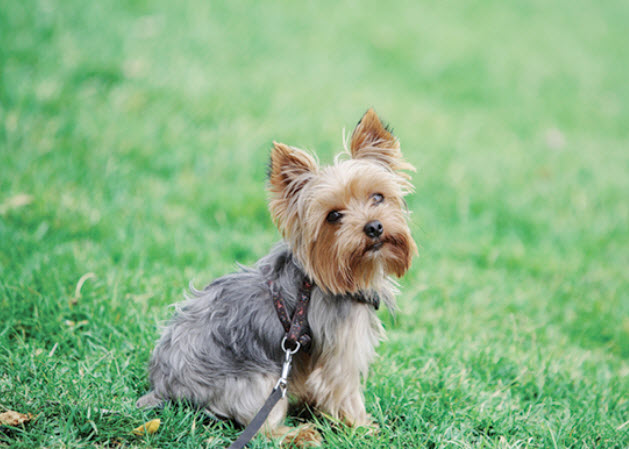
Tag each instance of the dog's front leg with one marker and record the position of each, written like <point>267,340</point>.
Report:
<point>336,391</point>
<point>340,367</point>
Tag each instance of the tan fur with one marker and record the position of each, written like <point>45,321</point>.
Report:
<point>372,140</point>
<point>302,194</point>
<point>303,436</point>
<point>331,381</point>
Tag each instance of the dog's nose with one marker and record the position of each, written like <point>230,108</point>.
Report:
<point>373,229</point>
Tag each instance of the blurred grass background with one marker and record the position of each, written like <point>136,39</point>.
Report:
<point>134,138</point>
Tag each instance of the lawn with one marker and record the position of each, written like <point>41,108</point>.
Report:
<point>134,138</point>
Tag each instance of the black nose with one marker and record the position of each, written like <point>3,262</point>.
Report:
<point>373,229</point>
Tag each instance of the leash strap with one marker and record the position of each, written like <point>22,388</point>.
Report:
<point>279,391</point>
<point>255,424</point>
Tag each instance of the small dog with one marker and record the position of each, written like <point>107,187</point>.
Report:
<point>345,228</point>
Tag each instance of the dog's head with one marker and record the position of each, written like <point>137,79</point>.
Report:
<point>347,222</point>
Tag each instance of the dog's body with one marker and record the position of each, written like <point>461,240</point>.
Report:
<point>345,229</point>
<point>226,339</point>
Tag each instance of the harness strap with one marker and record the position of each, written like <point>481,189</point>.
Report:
<point>298,332</point>
<point>296,328</point>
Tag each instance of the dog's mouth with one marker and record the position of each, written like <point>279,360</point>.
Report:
<point>375,246</point>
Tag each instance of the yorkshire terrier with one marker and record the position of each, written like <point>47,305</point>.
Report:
<point>345,228</point>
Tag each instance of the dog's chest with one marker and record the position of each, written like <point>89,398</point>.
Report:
<point>344,328</point>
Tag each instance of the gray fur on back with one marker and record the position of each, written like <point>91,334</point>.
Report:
<point>228,335</point>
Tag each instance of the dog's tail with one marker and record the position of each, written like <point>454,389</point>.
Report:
<point>149,400</point>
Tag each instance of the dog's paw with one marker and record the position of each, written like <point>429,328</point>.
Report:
<point>365,422</point>
<point>302,437</point>
<point>372,427</point>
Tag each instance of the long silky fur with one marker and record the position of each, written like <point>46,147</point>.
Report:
<point>222,350</point>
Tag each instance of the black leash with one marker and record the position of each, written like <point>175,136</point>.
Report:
<point>297,337</point>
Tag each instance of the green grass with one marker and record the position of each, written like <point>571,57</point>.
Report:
<point>134,138</point>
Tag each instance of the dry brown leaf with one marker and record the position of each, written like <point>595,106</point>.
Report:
<point>148,427</point>
<point>12,418</point>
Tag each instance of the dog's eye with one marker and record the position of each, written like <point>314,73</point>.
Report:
<point>334,216</point>
<point>377,198</point>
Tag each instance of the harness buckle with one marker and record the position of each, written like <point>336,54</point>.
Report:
<point>290,351</point>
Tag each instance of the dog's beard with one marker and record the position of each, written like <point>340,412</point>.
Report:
<point>350,265</point>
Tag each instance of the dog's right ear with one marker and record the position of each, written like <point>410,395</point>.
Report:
<point>290,170</point>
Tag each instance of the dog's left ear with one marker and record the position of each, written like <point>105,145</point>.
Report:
<point>373,140</point>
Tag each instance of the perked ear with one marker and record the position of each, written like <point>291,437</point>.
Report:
<point>289,171</point>
<point>372,140</point>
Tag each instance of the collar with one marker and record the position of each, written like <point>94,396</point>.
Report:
<point>363,298</point>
